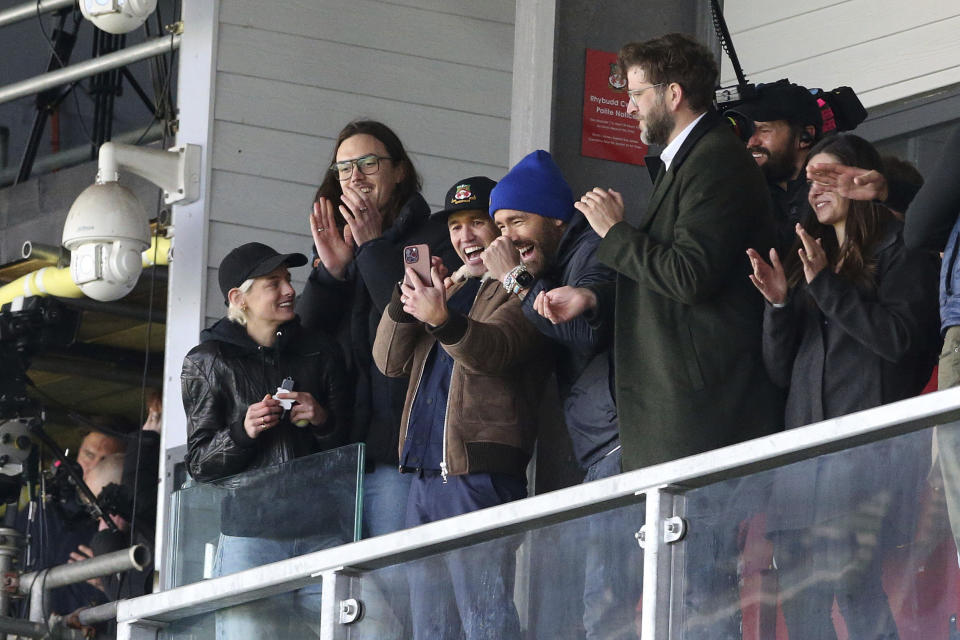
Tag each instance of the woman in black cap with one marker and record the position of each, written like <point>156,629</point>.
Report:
<point>235,424</point>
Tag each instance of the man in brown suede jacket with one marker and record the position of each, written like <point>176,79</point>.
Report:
<point>477,371</point>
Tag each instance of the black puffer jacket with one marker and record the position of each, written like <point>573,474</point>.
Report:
<point>228,371</point>
<point>350,309</point>
<point>584,365</point>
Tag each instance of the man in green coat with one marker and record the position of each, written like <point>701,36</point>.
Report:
<point>687,332</point>
<point>689,375</point>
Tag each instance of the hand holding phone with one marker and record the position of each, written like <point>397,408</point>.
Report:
<point>417,257</point>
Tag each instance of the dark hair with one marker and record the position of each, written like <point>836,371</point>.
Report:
<point>678,58</point>
<point>411,184</point>
<point>865,224</point>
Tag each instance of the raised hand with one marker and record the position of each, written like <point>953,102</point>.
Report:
<point>424,302</point>
<point>334,251</point>
<point>849,182</point>
<point>563,304</point>
<point>603,208</point>
<point>769,279</point>
<point>361,213</point>
<point>500,257</point>
<point>812,255</point>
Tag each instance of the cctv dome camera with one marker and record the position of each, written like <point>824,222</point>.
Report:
<point>106,232</point>
<point>117,16</point>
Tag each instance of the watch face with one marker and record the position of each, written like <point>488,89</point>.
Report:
<point>524,279</point>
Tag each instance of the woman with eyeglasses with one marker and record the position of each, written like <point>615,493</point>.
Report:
<point>369,207</point>
<point>850,324</point>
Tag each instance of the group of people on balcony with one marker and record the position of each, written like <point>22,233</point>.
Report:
<point>766,285</point>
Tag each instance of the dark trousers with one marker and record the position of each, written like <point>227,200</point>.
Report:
<point>468,592</point>
<point>833,559</point>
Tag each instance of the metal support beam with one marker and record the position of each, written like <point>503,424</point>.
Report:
<point>135,557</point>
<point>658,562</point>
<point>30,10</point>
<point>149,49</point>
<point>95,615</point>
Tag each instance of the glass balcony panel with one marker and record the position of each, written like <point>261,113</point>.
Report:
<point>545,583</point>
<point>853,544</point>
<point>266,515</point>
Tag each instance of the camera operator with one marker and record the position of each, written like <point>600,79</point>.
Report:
<point>62,523</point>
<point>786,124</point>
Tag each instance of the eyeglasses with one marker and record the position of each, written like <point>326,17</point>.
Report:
<point>635,94</point>
<point>368,165</point>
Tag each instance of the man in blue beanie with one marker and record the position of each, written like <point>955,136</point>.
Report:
<point>546,244</point>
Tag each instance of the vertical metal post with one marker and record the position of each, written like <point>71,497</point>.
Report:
<point>659,560</point>
<point>138,630</point>
<point>337,607</point>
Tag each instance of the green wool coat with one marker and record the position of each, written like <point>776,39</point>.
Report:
<point>688,322</point>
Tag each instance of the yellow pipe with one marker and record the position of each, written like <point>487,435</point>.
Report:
<point>162,252</point>
<point>57,282</point>
<point>42,282</point>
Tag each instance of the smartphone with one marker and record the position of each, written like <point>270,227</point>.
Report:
<point>417,256</point>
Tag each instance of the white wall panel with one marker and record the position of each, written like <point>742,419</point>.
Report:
<point>258,202</point>
<point>319,112</point>
<point>496,10</point>
<point>885,50</point>
<point>363,71</point>
<point>385,28</point>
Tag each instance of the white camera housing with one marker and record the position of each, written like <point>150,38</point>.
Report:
<point>106,232</point>
<point>117,16</point>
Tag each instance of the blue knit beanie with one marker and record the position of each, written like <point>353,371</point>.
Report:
<point>534,185</point>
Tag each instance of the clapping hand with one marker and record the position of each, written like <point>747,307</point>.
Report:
<point>333,250</point>
<point>769,279</point>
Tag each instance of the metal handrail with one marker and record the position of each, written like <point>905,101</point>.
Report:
<point>29,10</point>
<point>557,506</point>
<point>87,68</point>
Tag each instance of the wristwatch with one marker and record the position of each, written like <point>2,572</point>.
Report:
<point>517,279</point>
<point>523,277</point>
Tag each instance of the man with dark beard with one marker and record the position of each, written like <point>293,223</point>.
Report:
<point>689,375</point>
<point>786,124</point>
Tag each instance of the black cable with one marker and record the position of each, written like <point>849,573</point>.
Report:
<point>161,109</point>
<point>73,85</point>
<point>723,34</point>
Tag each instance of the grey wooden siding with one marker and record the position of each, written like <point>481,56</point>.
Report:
<point>289,76</point>
<point>887,50</point>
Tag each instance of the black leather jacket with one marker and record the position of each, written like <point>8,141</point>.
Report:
<point>228,371</point>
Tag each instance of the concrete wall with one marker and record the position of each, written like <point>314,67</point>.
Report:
<point>885,49</point>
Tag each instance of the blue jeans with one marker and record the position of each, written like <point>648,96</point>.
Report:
<point>287,615</point>
<point>384,500</point>
<point>467,589</point>
<point>384,592</point>
<point>613,577</point>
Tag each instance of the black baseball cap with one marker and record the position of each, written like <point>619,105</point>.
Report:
<point>782,100</point>
<point>468,194</point>
<point>253,260</point>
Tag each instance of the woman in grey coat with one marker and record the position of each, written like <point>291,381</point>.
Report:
<point>850,324</point>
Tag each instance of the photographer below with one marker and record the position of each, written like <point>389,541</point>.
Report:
<point>235,425</point>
